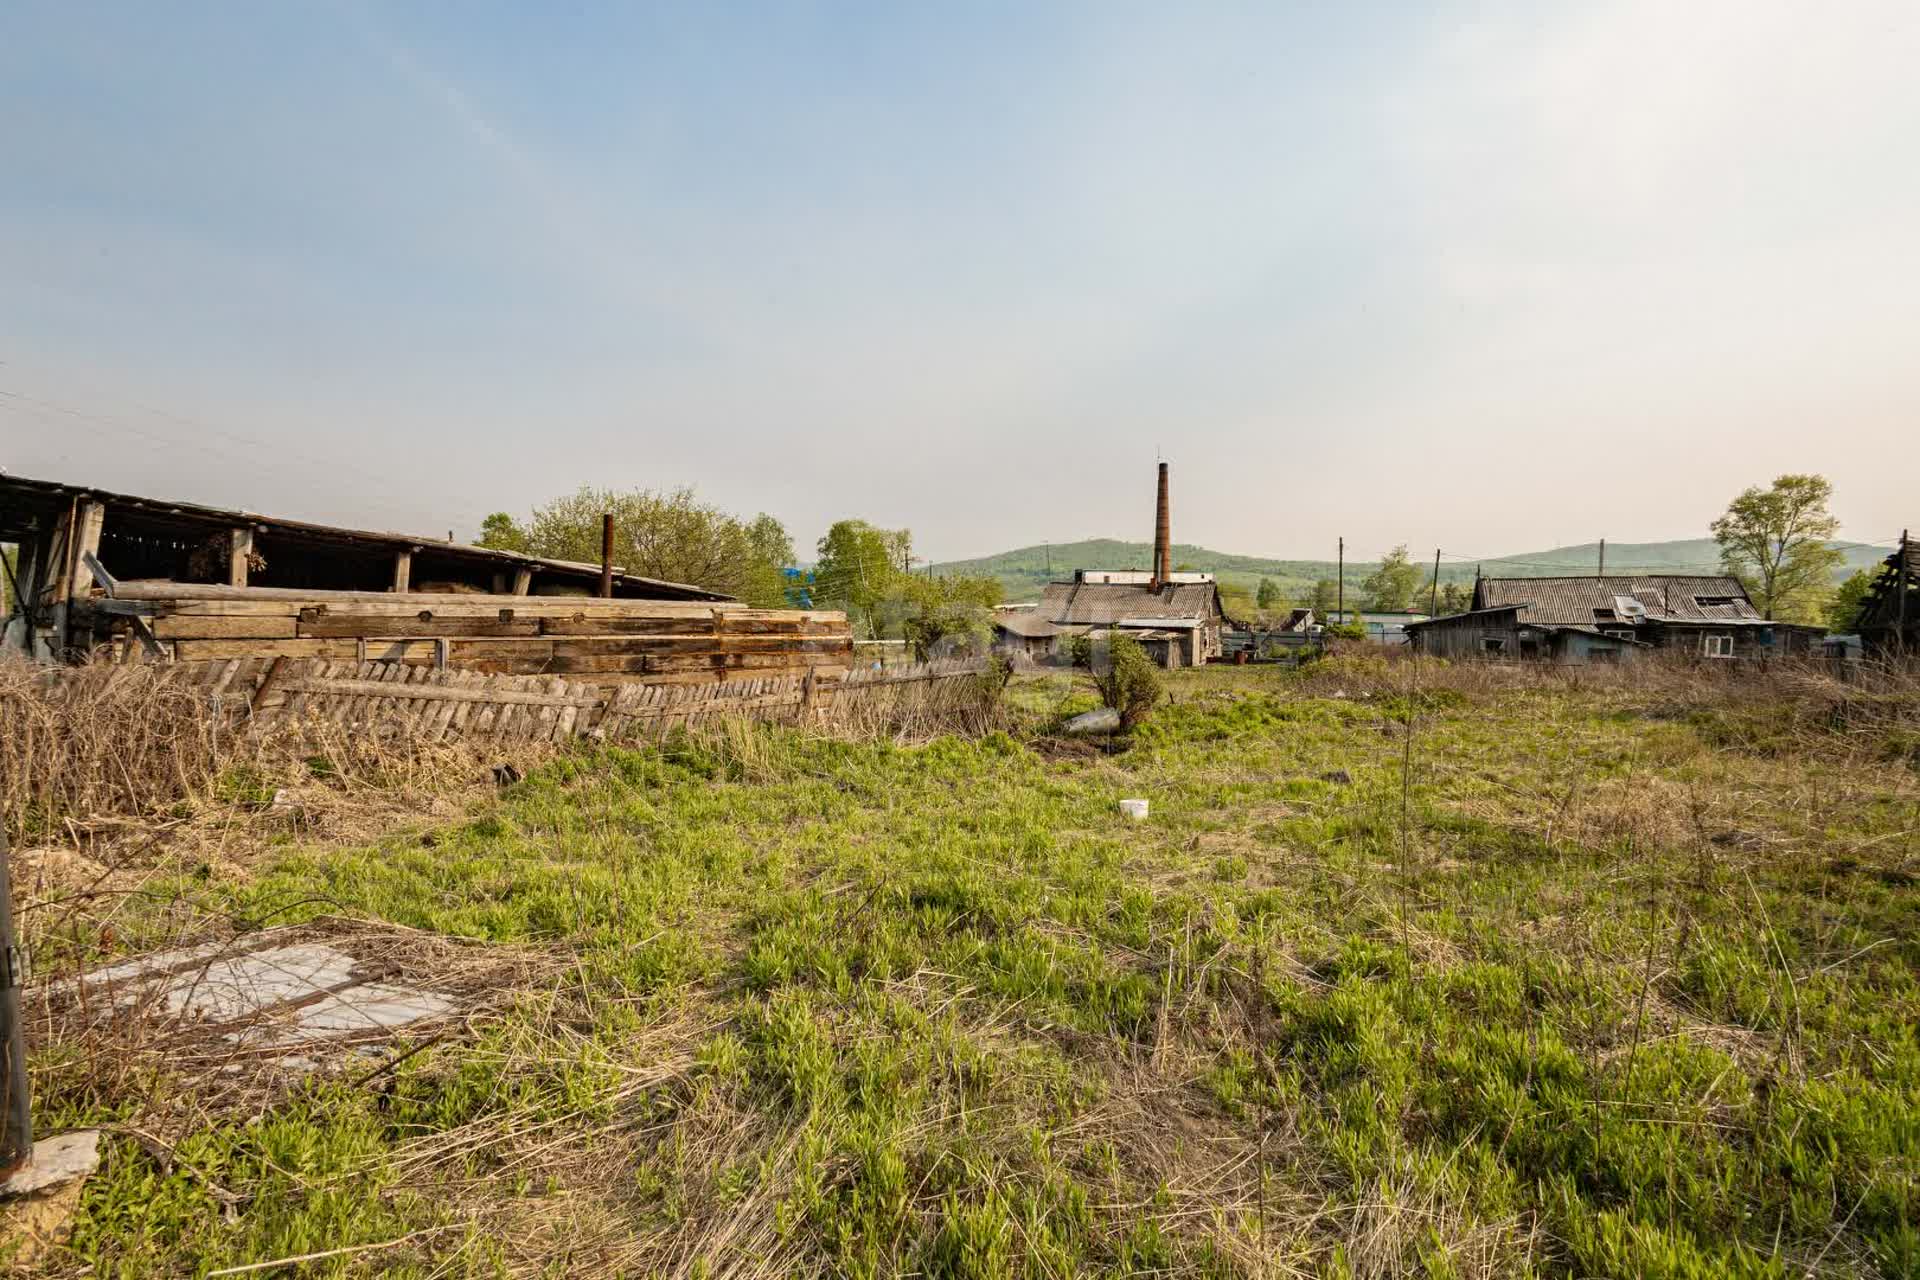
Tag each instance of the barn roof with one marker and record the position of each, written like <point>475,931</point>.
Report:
<point>1584,600</point>
<point>27,504</point>
<point>1104,604</point>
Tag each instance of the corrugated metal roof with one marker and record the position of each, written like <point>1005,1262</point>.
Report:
<point>1572,602</point>
<point>1101,604</point>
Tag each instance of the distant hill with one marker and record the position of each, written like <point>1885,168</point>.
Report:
<point>1024,571</point>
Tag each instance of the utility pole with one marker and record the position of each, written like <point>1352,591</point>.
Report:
<point>606,555</point>
<point>1433,596</point>
<point>1340,584</point>
<point>1603,558</point>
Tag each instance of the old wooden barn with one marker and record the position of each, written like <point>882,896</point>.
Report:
<point>105,575</point>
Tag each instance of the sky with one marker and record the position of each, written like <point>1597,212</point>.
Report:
<point>1487,277</point>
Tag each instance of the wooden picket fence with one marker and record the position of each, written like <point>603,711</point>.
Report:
<point>427,703</point>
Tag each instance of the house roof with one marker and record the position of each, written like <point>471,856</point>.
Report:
<point>1105,604</point>
<point>1027,623</point>
<point>27,504</point>
<point>1573,602</point>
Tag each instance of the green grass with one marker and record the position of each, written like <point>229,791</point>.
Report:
<point>1588,991</point>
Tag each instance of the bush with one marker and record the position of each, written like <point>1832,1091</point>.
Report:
<point>1131,683</point>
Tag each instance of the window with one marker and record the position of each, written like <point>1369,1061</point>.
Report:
<point>1717,646</point>
<point>1493,644</point>
<point>1715,602</point>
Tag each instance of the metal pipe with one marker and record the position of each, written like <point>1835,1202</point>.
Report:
<point>16,1115</point>
<point>606,555</point>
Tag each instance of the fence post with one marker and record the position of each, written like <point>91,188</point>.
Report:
<point>16,1117</point>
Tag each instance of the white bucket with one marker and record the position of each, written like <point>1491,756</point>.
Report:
<point>1135,809</point>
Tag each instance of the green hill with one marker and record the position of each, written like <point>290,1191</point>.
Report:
<point>1024,571</point>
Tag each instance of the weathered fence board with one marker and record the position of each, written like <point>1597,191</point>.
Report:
<point>408,700</point>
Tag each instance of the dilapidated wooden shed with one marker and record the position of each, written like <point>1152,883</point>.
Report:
<point>112,575</point>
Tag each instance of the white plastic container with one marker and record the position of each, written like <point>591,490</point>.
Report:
<point>1135,809</point>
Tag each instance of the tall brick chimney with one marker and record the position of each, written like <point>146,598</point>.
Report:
<point>1162,536</point>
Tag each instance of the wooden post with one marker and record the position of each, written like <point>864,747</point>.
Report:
<point>239,551</point>
<point>522,581</point>
<point>86,542</point>
<point>16,1117</point>
<point>1340,585</point>
<point>402,570</point>
<point>1433,596</point>
<point>606,555</point>
<point>1900,631</point>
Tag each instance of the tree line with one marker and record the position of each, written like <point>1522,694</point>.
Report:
<point>672,535</point>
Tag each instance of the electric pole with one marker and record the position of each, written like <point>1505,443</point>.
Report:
<point>1433,597</point>
<point>1340,580</point>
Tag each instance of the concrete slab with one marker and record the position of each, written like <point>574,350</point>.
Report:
<point>294,994</point>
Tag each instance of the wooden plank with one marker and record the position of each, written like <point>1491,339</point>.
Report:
<point>402,571</point>
<point>252,627</point>
<point>211,650</point>
<point>521,650</point>
<point>522,581</point>
<point>614,625</point>
<point>208,608</point>
<point>376,626</point>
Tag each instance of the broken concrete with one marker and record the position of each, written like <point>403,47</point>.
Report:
<point>37,1203</point>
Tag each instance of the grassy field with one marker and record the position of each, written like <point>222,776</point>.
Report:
<point>1411,971</point>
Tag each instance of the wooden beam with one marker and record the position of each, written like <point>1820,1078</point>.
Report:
<point>239,552</point>
<point>402,571</point>
<point>135,589</point>
<point>86,542</point>
<point>522,581</point>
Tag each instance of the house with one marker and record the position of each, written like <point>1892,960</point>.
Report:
<point>1020,632</point>
<point>114,576</point>
<point>1177,617</point>
<point>1606,619</point>
<point>1889,617</point>
<point>1182,618</point>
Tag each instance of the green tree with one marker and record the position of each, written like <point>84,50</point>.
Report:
<point>1455,597</point>
<point>1268,597</point>
<point>1775,541</point>
<point>935,609</point>
<point>1326,597</point>
<point>1843,611</point>
<point>860,566</point>
<point>670,535</point>
<point>1236,601</point>
<point>1391,586</point>
<point>503,533</point>
<point>771,554</point>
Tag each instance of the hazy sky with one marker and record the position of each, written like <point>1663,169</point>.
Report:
<point>1492,276</point>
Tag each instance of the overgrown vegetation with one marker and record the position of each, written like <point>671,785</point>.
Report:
<point>1415,969</point>
<point>1129,682</point>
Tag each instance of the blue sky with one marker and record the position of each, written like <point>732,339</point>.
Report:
<point>1487,277</point>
